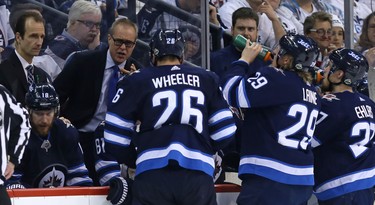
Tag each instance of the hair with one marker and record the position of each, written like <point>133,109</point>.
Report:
<point>364,42</point>
<point>244,13</point>
<point>125,22</point>
<point>18,9</point>
<point>82,7</point>
<point>313,18</point>
<point>20,24</point>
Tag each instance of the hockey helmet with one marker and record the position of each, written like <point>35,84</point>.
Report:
<point>42,97</point>
<point>353,63</point>
<point>167,42</point>
<point>303,49</point>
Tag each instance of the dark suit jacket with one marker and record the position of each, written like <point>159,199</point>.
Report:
<point>12,76</point>
<point>79,85</point>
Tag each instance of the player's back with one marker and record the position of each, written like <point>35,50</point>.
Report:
<point>180,95</point>
<point>346,134</point>
<point>283,111</point>
<point>181,110</point>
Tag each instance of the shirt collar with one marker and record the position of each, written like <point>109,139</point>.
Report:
<point>110,63</point>
<point>23,61</point>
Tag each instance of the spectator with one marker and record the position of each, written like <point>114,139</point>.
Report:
<point>87,84</point>
<point>304,8</point>
<point>14,135</point>
<point>337,32</point>
<point>6,33</point>
<point>366,43</point>
<point>270,27</point>
<point>17,73</point>
<point>82,32</point>
<point>343,143</point>
<point>177,140</point>
<point>318,26</point>
<point>53,157</point>
<point>275,154</point>
<point>287,18</point>
<point>151,19</point>
<point>366,46</point>
<point>369,3</point>
<point>360,12</point>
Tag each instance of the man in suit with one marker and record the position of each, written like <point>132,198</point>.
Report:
<point>84,84</point>
<point>18,72</point>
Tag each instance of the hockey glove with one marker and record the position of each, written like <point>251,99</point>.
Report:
<point>120,191</point>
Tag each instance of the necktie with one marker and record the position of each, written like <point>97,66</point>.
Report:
<point>30,75</point>
<point>112,85</point>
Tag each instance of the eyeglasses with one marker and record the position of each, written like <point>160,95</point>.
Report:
<point>90,24</point>
<point>119,42</point>
<point>321,32</point>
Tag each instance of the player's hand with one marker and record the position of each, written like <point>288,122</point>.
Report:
<point>9,170</point>
<point>66,121</point>
<point>250,52</point>
<point>120,191</point>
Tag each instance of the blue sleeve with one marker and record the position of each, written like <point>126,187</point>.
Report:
<point>119,122</point>
<point>77,171</point>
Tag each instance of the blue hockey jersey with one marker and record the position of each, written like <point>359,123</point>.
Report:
<point>184,118</point>
<point>58,166</point>
<point>279,122</point>
<point>344,145</point>
<point>106,165</point>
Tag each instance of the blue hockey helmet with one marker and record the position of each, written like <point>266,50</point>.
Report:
<point>42,97</point>
<point>303,49</point>
<point>167,42</point>
<point>353,63</point>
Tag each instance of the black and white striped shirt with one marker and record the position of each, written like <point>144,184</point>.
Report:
<point>14,131</point>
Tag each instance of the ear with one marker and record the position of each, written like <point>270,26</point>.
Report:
<point>18,37</point>
<point>340,74</point>
<point>108,37</point>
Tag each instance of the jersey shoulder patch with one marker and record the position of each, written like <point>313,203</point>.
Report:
<point>330,97</point>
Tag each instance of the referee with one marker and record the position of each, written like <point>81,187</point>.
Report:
<point>14,135</point>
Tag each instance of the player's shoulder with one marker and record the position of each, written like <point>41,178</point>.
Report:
<point>201,72</point>
<point>65,128</point>
<point>276,73</point>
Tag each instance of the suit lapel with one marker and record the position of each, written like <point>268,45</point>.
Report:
<point>18,77</point>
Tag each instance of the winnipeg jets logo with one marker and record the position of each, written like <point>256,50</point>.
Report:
<point>52,176</point>
<point>330,97</point>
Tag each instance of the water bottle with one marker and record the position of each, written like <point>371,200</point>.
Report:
<point>240,42</point>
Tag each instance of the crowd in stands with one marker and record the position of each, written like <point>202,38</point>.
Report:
<point>62,60</point>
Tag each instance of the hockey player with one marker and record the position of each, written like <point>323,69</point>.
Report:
<point>53,157</point>
<point>276,165</point>
<point>344,150</point>
<point>184,121</point>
